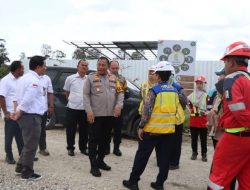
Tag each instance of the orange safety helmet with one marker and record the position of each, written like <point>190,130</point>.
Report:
<point>237,49</point>
<point>201,78</point>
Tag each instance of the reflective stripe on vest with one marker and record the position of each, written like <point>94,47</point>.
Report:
<point>203,106</point>
<point>236,130</point>
<point>163,117</point>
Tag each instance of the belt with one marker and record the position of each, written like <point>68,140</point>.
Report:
<point>34,114</point>
<point>241,134</point>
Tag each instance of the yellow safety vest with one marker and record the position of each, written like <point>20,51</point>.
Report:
<point>167,111</point>
<point>144,91</point>
<point>203,105</point>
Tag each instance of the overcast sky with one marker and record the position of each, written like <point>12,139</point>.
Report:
<point>213,24</point>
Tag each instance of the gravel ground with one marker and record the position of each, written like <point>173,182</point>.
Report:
<point>61,172</point>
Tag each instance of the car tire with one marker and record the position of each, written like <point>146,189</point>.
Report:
<point>50,122</point>
<point>133,130</point>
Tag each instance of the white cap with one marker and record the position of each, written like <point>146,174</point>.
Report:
<point>164,66</point>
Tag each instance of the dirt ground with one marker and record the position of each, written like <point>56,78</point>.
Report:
<point>61,171</point>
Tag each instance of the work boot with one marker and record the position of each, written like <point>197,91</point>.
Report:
<point>117,151</point>
<point>156,186</point>
<point>130,185</point>
<point>194,156</point>
<point>204,157</point>
<point>173,167</point>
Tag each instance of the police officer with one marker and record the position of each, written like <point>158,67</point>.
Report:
<point>161,112</point>
<point>7,95</point>
<point>114,68</point>
<point>103,100</point>
<point>29,113</point>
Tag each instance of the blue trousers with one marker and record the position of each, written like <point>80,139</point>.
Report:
<point>12,130</point>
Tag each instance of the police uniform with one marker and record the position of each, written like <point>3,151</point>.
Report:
<point>30,100</point>
<point>101,94</point>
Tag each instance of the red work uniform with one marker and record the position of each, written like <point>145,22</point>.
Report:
<point>232,153</point>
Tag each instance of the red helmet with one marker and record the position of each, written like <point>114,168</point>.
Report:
<point>237,49</point>
<point>201,78</point>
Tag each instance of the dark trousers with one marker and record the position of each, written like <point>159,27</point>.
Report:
<point>176,148</point>
<point>117,127</point>
<point>74,118</point>
<point>162,145</point>
<point>195,133</point>
<point>12,130</point>
<point>30,125</point>
<point>42,142</point>
<point>99,137</point>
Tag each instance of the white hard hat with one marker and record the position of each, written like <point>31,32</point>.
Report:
<point>152,68</point>
<point>164,66</point>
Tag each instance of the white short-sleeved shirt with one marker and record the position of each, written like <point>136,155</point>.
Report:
<point>8,88</point>
<point>30,95</point>
<point>47,88</point>
<point>74,85</point>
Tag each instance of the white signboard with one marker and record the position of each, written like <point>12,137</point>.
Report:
<point>182,56</point>
<point>180,53</point>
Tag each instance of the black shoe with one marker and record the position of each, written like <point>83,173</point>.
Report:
<point>85,152</point>
<point>172,167</point>
<point>194,156</point>
<point>36,159</point>
<point>18,170</point>
<point>71,153</point>
<point>95,172</point>
<point>204,158</point>
<point>117,152</point>
<point>10,161</point>
<point>130,185</point>
<point>154,185</point>
<point>32,177</point>
<point>102,165</point>
<point>44,152</point>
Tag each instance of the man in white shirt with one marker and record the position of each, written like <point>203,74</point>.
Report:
<point>7,95</point>
<point>75,113</point>
<point>49,106</point>
<point>30,101</point>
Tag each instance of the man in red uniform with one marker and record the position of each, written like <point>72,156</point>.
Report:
<point>232,153</point>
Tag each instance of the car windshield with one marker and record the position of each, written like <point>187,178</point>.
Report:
<point>132,86</point>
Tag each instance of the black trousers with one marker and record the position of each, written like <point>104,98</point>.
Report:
<point>76,118</point>
<point>99,137</point>
<point>202,133</point>
<point>42,142</point>
<point>12,130</point>
<point>176,148</point>
<point>117,127</point>
<point>162,145</point>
